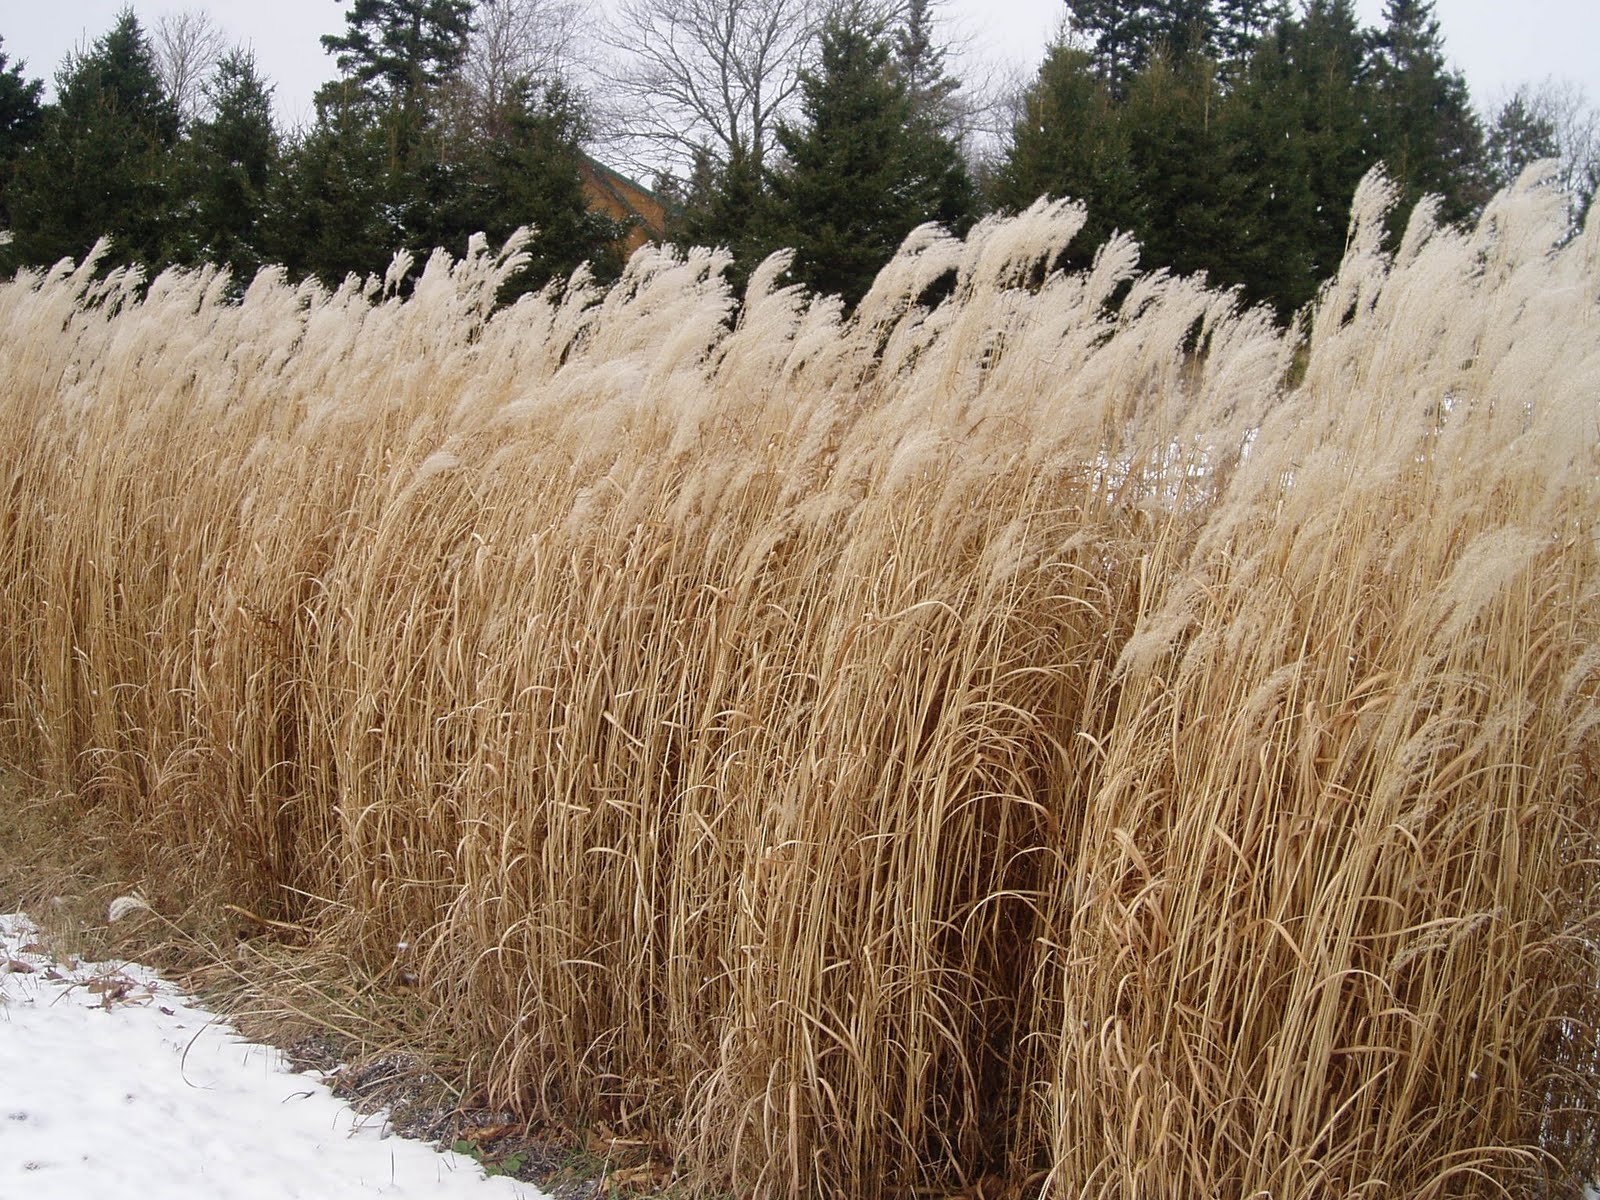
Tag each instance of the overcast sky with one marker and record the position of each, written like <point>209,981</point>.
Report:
<point>1496,44</point>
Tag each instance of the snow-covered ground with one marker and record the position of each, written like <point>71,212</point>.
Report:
<point>113,1082</point>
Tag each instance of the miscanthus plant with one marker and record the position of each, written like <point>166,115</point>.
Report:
<point>1078,739</point>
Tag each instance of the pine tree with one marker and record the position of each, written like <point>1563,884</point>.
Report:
<point>861,172</point>
<point>932,134</point>
<point>103,163</point>
<point>1182,31</point>
<point>1069,142</point>
<point>233,153</point>
<point>1124,35</point>
<point>1272,204</point>
<point>399,53</point>
<point>327,214</point>
<point>1179,165</point>
<point>1240,25</point>
<point>21,122</point>
<point>1324,85</point>
<point>1428,134</point>
<point>919,60</point>
<point>723,204</point>
<point>1518,137</point>
<point>1119,35</point>
<point>526,173</point>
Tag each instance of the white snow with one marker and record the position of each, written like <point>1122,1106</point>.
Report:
<point>113,1082</point>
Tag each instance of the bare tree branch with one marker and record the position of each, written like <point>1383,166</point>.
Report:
<point>536,40</point>
<point>187,47</point>
<point>705,73</point>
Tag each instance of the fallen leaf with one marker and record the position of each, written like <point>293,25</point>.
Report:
<point>17,966</point>
<point>650,1174</point>
<point>32,948</point>
<point>110,990</point>
<point>489,1133</point>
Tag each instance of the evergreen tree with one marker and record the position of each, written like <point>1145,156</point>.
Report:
<point>1272,203</point>
<point>327,214</point>
<point>919,59</point>
<point>1240,25</point>
<point>102,165</point>
<point>1182,31</point>
<point>723,204</point>
<point>1428,134</point>
<point>526,173</point>
<point>932,137</point>
<point>1069,141</point>
<point>233,154</point>
<point>399,53</point>
<point>1324,85</point>
<point>1124,35</point>
<point>1179,165</point>
<point>1519,137</point>
<point>1119,35</point>
<point>861,172</point>
<point>21,121</point>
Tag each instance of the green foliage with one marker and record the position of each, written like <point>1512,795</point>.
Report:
<point>21,119</point>
<point>398,53</point>
<point>231,161</point>
<point>1123,37</point>
<point>525,172</point>
<point>1325,87</point>
<point>1070,141</point>
<point>723,205</point>
<point>1519,136</point>
<point>510,1165</point>
<point>1179,165</point>
<point>103,162</point>
<point>1428,135</point>
<point>863,168</point>
<point>1230,135</point>
<point>918,60</point>
<point>401,48</point>
<point>1272,202</point>
<point>327,215</point>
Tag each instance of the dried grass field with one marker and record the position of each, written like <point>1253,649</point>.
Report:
<point>1077,739</point>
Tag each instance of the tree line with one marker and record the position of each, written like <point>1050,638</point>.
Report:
<point>1226,135</point>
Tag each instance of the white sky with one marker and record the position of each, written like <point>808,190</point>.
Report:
<point>1497,45</point>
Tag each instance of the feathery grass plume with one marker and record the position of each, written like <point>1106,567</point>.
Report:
<point>1008,740</point>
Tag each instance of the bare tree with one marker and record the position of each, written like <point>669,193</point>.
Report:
<point>513,43</point>
<point>706,74</point>
<point>188,46</point>
<point>1577,126</point>
<point>512,40</point>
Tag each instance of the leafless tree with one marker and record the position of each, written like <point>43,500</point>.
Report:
<point>187,46</point>
<point>1577,126</point>
<point>540,42</point>
<point>706,73</point>
<point>521,39</point>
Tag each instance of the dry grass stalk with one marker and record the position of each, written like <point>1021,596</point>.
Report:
<point>884,754</point>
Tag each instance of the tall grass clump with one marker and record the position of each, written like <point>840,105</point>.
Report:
<point>1075,739</point>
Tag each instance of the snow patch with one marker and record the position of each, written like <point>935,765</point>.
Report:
<point>112,1076</point>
